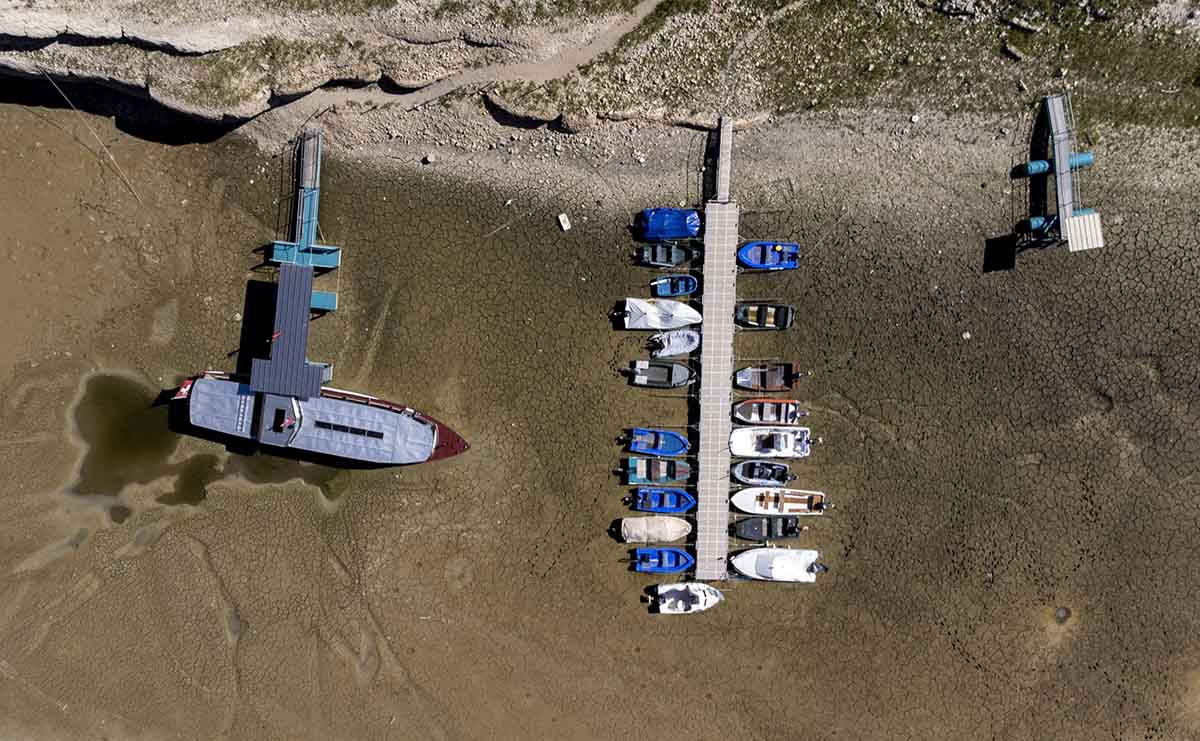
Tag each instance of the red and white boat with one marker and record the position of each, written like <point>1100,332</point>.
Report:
<point>339,424</point>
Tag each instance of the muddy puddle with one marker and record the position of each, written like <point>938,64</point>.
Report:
<point>126,432</point>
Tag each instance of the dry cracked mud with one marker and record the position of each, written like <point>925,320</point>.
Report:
<point>1000,445</point>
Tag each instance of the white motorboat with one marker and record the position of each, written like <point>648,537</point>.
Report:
<point>769,442</point>
<point>768,411</point>
<point>658,313</point>
<point>675,342</point>
<point>657,529</point>
<point>766,500</point>
<point>686,597</point>
<point>778,564</point>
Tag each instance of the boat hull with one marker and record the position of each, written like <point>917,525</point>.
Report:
<point>685,598</point>
<point>777,564</point>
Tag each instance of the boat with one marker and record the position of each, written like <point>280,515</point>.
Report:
<point>662,560</point>
<point>640,470</point>
<point>655,529</point>
<point>675,342</point>
<point>674,285</point>
<point>769,377</point>
<point>764,316</point>
<point>658,313</point>
<point>762,529</point>
<point>664,255</point>
<point>765,500</point>
<point>665,224</point>
<point>778,564</point>
<point>768,411</point>
<point>770,442</point>
<point>661,374</point>
<point>769,255</point>
<point>652,441</point>
<point>685,597</point>
<point>337,425</point>
<point>663,500</point>
<point>762,473</point>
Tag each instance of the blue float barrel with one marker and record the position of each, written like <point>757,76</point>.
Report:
<point>1080,160</point>
<point>1031,225</point>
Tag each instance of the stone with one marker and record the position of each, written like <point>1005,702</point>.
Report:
<point>429,159</point>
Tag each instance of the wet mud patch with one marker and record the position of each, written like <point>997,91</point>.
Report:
<point>125,431</point>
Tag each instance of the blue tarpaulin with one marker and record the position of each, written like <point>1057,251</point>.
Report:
<point>658,224</point>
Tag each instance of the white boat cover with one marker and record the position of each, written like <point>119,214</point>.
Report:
<point>223,406</point>
<point>675,342</point>
<point>769,442</point>
<point>657,529</point>
<point>777,564</point>
<point>658,313</point>
<point>686,597</point>
<point>344,428</point>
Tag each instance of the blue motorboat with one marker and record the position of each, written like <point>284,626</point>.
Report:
<point>769,255</point>
<point>666,224</point>
<point>663,501</point>
<point>674,285</point>
<point>651,441</point>
<point>656,470</point>
<point>667,560</point>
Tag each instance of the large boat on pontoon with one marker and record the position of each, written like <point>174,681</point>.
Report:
<point>334,424</point>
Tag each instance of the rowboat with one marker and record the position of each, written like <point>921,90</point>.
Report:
<point>651,441</point>
<point>764,316</point>
<point>663,500</point>
<point>640,470</point>
<point>769,412</point>
<point>664,255</point>
<point>663,560</point>
<point>764,500</point>
<point>770,377</point>
<point>769,255</point>
<point>674,285</point>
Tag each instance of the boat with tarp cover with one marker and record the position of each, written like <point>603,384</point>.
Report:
<point>336,424</point>
<point>654,529</point>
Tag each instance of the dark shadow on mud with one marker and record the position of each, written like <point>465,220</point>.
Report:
<point>132,110</point>
<point>25,44</point>
<point>510,119</point>
<point>1000,253</point>
<point>258,324</point>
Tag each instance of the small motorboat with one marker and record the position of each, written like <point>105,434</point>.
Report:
<point>770,377</point>
<point>764,316</point>
<point>663,560</point>
<point>662,500</point>
<point>652,441</point>
<point>769,255</point>
<point>770,442</point>
<point>640,470</point>
<point>675,342</point>
<point>762,473</point>
<point>656,529</point>
<point>769,412</point>
<point>778,564</point>
<point>674,285</point>
<point>685,597</point>
<point>664,255</point>
<point>762,529</point>
<point>764,500</point>
<point>664,224</point>
<point>658,313</point>
<point>661,374</point>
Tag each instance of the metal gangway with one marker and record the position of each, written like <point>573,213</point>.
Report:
<point>721,217</point>
<point>1053,152</point>
<point>303,249</point>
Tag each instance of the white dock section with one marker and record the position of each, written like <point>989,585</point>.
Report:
<point>1082,231</point>
<point>716,371</point>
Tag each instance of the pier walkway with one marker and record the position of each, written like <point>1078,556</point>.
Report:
<point>716,369</point>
